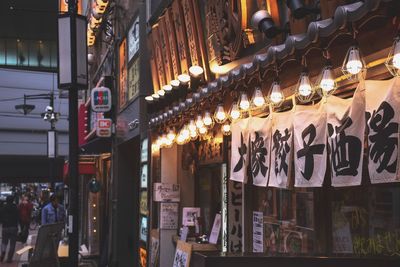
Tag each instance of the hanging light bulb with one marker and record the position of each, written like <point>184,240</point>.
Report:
<point>180,140</point>
<point>185,132</point>
<point>171,135</point>
<point>168,143</point>
<point>276,96</point>
<point>196,71</point>
<point>258,99</point>
<point>393,60</point>
<point>164,140</point>
<point>193,135</point>
<point>161,92</point>
<point>304,90</point>
<point>159,142</point>
<point>244,103</point>
<point>226,129</point>
<point>167,88</point>
<point>353,62</point>
<point>219,114</point>
<point>235,113</point>
<point>326,83</point>
<point>202,131</point>
<point>184,78</point>
<point>192,126</point>
<point>207,120</point>
<point>199,121</point>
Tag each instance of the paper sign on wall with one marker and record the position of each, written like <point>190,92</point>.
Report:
<point>258,232</point>
<point>169,216</point>
<point>164,192</point>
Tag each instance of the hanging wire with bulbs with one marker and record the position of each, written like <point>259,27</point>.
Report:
<point>325,85</point>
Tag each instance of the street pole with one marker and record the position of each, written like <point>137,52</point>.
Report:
<point>73,212</point>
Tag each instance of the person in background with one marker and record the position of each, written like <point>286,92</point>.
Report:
<point>9,220</point>
<point>25,208</point>
<point>53,212</point>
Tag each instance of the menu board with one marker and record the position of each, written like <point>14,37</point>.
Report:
<point>169,215</point>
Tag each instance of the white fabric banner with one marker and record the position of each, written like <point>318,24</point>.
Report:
<point>240,150</point>
<point>309,130</point>
<point>346,126</point>
<point>260,149</point>
<point>382,99</point>
<point>281,149</point>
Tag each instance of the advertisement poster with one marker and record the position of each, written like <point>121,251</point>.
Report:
<point>164,192</point>
<point>258,232</point>
<point>169,215</point>
<point>182,254</point>
<point>189,216</point>
<point>143,229</point>
<point>143,176</point>
<point>143,203</point>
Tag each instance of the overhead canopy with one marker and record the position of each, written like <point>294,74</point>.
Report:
<point>30,169</point>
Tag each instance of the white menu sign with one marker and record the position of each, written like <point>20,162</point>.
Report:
<point>258,232</point>
<point>164,192</point>
<point>169,216</point>
<point>133,39</point>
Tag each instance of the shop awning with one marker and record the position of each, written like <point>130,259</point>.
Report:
<point>30,169</point>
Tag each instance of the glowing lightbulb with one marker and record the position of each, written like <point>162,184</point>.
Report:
<point>175,83</point>
<point>258,98</point>
<point>244,103</point>
<point>171,135</point>
<point>226,129</point>
<point>327,82</point>
<point>396,59</point>
<point>220,115</point>
<point>164,140</point>
<point>192,126</point>
<point>180,140</point>
<point>196,71</point>
<point>199,121</point>
<point>235,112</point>
<point>276,95</point>
<point>305,88</point>
<point>167,88</point>
<point>203,130</point>
<point>155,96</point>
<point>161,92</point>
<point>354,64</point>
<point>168,143</point>
<point>207,119</point>
<point>185,132</point>
<point>149,98</point>
<point>193,135</point>
<point>184,78</point>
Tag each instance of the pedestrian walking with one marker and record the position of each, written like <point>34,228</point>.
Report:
<point>25,215</point>
<point>9,221</point>
<point>53,212</point>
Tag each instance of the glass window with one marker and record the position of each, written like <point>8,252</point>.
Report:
<point>44,54</point>
<point>2,52</point>
<point>11,52</point>
<point>33,53</point>
<point>23,54</point>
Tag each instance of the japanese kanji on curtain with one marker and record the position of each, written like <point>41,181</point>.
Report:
<point>281,149</point>
<point>309,129</point>
<point>240,150</point>
<point>382,99</point>
<point>346,126</point>
<point>260,144</point>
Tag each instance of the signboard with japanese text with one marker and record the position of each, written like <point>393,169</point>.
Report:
<point>133,79</point>
<point>169,215</point>
<point>122,74</point>
<point>101,99</point>
<point>181,39</point>
<point>164,192</point>
<point>158,55</point>
<point>240,150</point>
<point>143,176</point>
<point>104,128</point>
<point>165,49</point>
<point>258,231</point>
<point>143,203</point>
<point>235,228</point>
<point>169,26</point>
<point>144,150</point>
<point>133,39</point>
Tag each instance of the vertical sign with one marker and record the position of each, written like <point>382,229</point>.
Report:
<point>122,73</point>
<point>224,207</point>
<point>165,49</point>
<point>133,39</point>
<point>235,216</point>
<point>133,79</point>
<point>190,22</point>
<point>258,232</point>
<point>169,25</point>
<point>158,55</point>
<point>153,66</point>
<point>181,39</point>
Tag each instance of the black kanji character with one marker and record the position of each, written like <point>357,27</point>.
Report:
<point>258,153</point>
<point>242,152</point>
<point>282,149</point>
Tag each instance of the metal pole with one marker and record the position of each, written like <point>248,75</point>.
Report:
<point>73,212</point>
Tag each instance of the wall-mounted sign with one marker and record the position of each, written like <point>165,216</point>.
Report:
<point>104,128</point>
<point>258,231</point>
<point>122,74</point>
<point>143,229</point>
<point>190,215</point>
<point>133,79</point>
<point>133,39</point>
<point>101,99</point>
<point>169,216</point>
<point>164,192</point>
<point>143,203</point>
<point>144,150</point>
<point>143,177</point>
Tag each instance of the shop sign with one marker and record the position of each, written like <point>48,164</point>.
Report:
<point>182,254</point>
<point>143,229</point>
<point>258,231</point>
<point>122,74</point>
<point>133,79</point>
<point>169,216</point>
<point>143,203</point>
<point>101,99</point>
<point>133,39</point>
<point>103,128</point>
<point>144,151</point>
<point>210,151</point>
<point>235,217</point>
<point>143,177</point>
<point>164,192</point>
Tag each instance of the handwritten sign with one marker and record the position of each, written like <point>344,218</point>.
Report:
<point>215,229</point>
<point>169,216</point>
<point>182,254</point>
<point>258,232</point>
<point>164,192</point>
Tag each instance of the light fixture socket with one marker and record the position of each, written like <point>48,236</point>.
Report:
<point>353,63</point>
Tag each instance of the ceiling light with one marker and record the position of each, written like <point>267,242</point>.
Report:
<point>326,83</point>
<point>234,112</point>
<point>195,71</point>
<point>244,103</point>
<point>175,83</point>
<point>167,88</point>
<point>393,60</point>
<point>276,96</point>
<point>353,63</point>
<point>220,115</point>
<point>199,121</point>
<point>304,90</point>
<point>226,129</point>
<point>207,120</point>
<point>184,78</point>
<point>258,99</point>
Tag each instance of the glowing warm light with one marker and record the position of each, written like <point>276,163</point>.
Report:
<point>168,143</point>
<point>155,96</point>
<point>175,83</point>
<point>258,98</point>
<point>193,135</point>
<point>226,129</point>
<point>167,87</point>
<point>185,132</point>
<point>149,98</point>
<point>196,71</point>
<point>94,230</point>
<point>164,140</point>
<point>94,218</point>
<point>180,140</point>
<point>184,78</point>
<point>354,64</point>
<point>220,115</point>
<point>161,92</point>
<point>276,95</point>
<point>192,126</point>
<point>327,83</point>
<point>396,60</point>
<point>235,113</point>
<point>171,135</point>
<point>207,119</point>
<point>244,103</point>
<point>203,130</point>
<point>305,88</point>
<point>199,121</point>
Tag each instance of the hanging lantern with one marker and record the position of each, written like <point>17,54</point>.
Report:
<point>326,83</point>
<point>244,103</point>
<point>304,90</point>
<point>199,121</point>
<point>258,99</point>
<point>226,129</point>
<point>234,112</point>
<point>220,115</point>
<point>353,62</point>
<point>393,60</point>
<point>207,120</point>
<point>276,96</point>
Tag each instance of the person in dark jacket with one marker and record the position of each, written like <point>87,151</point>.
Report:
<point>9,220</point>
